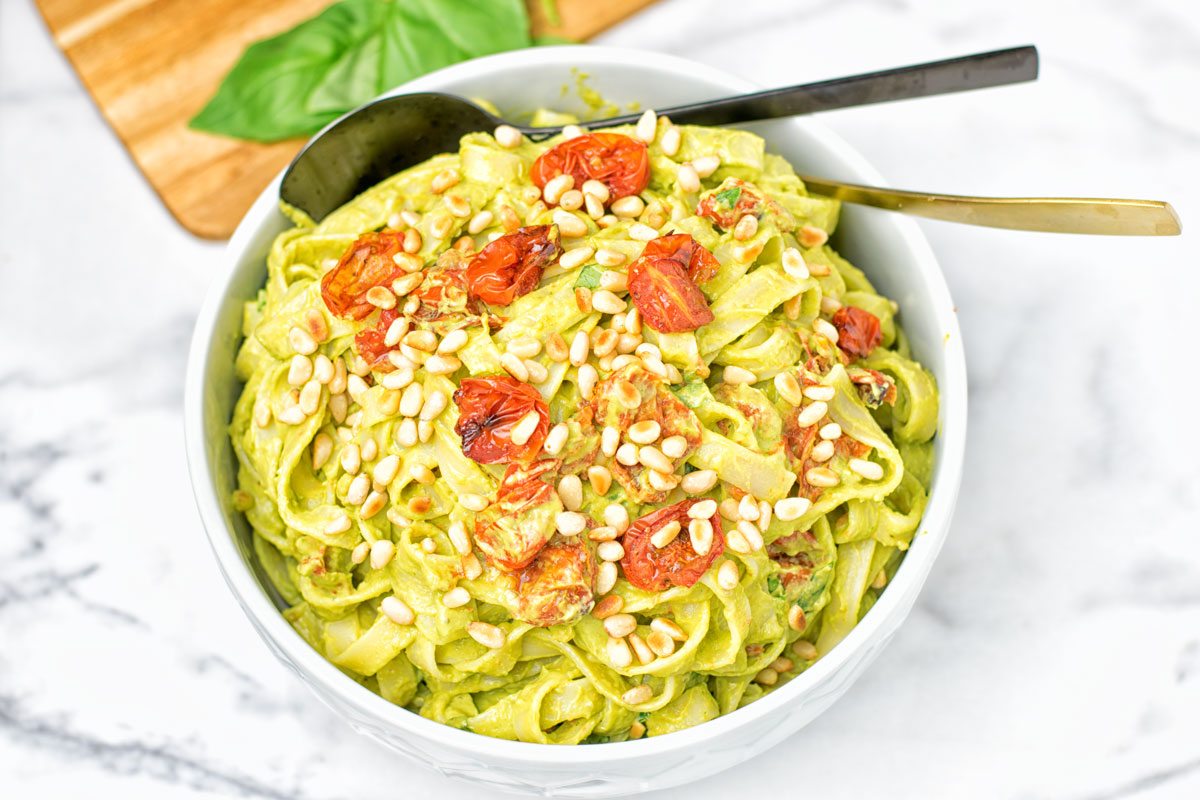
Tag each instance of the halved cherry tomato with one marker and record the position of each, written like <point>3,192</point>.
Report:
<point>618,161</point>
<point>370,344</point>
<point>512,265</point>
<point>731,201</point>
<point>515,528</point>
<point>488,409</point>
<point>858,330</point>
<point>366,264</point>
<point>663,291</point>
<point>654,569</point>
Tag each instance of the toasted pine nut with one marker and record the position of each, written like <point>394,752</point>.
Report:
<point>699,482</point>
<point>486,634</point>
<point>397,610</point>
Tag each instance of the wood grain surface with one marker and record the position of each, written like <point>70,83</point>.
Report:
<point>151,65</point>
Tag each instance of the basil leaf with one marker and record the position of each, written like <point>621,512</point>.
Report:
<point>296,82</point>
<point>589,277</point>
<point>728,198</point>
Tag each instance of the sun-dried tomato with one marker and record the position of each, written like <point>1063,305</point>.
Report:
<point>366,264</point>
<point>662,286</point>
<point>619,162</point>
<point>858,331</point>
<point>488,409</point>
<point>512,265</point>
<point>654,569</point>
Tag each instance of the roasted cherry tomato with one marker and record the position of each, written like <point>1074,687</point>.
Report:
<point>731,201</point>
<point>618,161</point>
<point>858,331</point>
<point>654,569</point>
<point>661,286</point>
<point>512,265</point>
<point>488,409</point>
<point>556,587</point>
<point>366,264</point>
<point>700,264</point>
<point>369,341</point>
<point>515,528</point>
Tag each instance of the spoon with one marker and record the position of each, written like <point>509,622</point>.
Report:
<point>389,135</point>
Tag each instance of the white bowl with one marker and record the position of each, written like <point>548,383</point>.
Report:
<point>889,247</point>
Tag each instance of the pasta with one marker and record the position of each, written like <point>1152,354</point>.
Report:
<point>578,441</point>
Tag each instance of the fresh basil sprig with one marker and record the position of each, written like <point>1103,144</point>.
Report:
<point>296,82</point>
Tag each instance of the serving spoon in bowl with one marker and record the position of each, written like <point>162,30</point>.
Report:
<point>389,135</point>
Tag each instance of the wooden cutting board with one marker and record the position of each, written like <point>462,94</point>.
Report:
<point>150,65</point>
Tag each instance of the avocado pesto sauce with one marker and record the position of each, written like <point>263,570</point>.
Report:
<point>578,441</point>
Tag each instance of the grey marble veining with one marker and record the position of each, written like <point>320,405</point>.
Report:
<point>1056,650</point>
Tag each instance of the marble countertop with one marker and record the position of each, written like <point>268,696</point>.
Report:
<point>1056,650</point>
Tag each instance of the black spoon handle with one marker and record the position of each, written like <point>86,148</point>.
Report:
<point>978,71</point>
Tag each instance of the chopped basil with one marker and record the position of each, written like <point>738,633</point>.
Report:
<point>728,198</point>
<point>589,277</point>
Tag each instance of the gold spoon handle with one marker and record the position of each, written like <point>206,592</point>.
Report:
<point>1107,216</point>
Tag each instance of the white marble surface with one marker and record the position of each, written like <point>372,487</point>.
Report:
<point>1056,650</point>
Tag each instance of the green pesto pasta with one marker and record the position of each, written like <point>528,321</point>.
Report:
<point>582,440</point>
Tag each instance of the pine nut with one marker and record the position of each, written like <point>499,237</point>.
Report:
<point>616,516</point>
<point>748,508</point>
<point>607,606</point>
<point>822,393</point>
<point>412,400</point>
<point>600,479</point>
<point>579,348</point>
<point>825,329</point>
<point>610,439</point>
<point>822,477</point>
<point>556,347</point>
<point>610,551</point>
<point>587,378</point>
<point>674,446</point>
<point>486,634</point>
<point>831,431</point>
<point>386,469</point>
<point>619,626</point>
<point>687,179</point>
<point>472,569</point>
<point>628,207</point>
<point>703,509</point>
<point>736,375</point>
<point>575,257</point>
<point>382,551</point>
<point>638,695</point>
<point>570,523</point>
<point>526,426</point>
<point>480,222</point>
<point>571,200</point>
<point>508,137</point>
<point>457,205</point>
<point>811,237</point>
<point>300,369</point>
<point>642,232</point>
<point>606,577</point>
<point>302,341</point>
<point>594,207</point>
<point>705,166</point>
<point>647,126</point>
<point>406,283</point>
<point>644,432</point>
<point>767,677</point>
<point>439,364</point>
<point>660,643</point>
<point>555,187</point>
<point>728,575</point>
<point>699,482</point>
<point>788,388</point>
<point>745,228</point>
<point>360,552</point>
<point>867,469</point>
<point>571,132</point>
<point>514,367</point>
<point>456,597</point>
<point>569,225</point>
<point>351,459</point>
<point>669,142</point>
<point>397,610</point>
<point>435,403</point>
<point>406,434</point>
<point>668,628</point>
<point>444,180</point>
<point>626,393</point>
<point>796,619</point>
<point>339,524</point>
<point>619,654</point>
<point>570,492</point>
<point>653,458</point>
<point>473,502</point>
<point>606,302</point>
<point>700,536</point>
<point>606,257</point>
<point>640,649</point>
<point>791,508</point>
<point>421,474</point>
<point>666,534</point>
<point>806,650</point>
<point>556,439</point>
<point>322,449</point>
